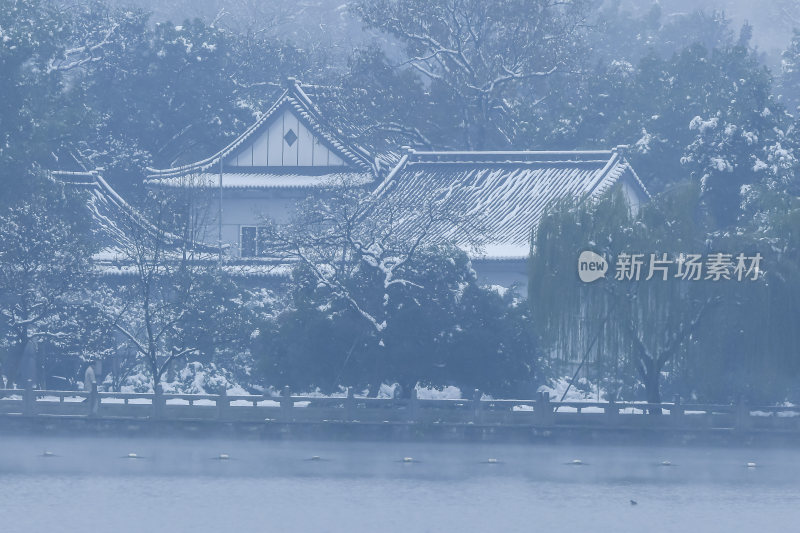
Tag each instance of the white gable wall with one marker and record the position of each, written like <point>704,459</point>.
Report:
<point>271,149</point>
<point>242,208</point>
<point>504,273</point>
<point>250,208</point>
<point>632,193</point>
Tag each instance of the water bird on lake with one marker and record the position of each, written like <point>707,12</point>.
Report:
<point>576,462</point>
<point>223,457</point>
<point>492,461</point>
<point>132,456</point>
<point>408,460</point>
<point>48,454</point>
<point>634,502</point>
<point>666,463</point>
<point>751,465</point>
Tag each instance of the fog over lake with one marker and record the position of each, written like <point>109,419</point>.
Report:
<point>183,485</point>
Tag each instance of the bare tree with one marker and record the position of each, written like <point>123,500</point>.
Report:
<point>44,266</point>
<point>481,52</point>
<point>360,247</point>
<point>164,280</point>
<point>95,30</point>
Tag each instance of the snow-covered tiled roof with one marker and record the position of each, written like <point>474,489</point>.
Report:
<point>114,222</point>
<point>264,180</point>
<point>112,218</point>
<point>506,192</point>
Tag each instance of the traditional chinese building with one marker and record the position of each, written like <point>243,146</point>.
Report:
<point>288,152</point>
<point>508,193</point>
<point>294,149</point>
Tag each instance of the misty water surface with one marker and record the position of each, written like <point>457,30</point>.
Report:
<point>183,485</point>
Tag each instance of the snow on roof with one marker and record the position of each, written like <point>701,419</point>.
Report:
<point>112,218</point>
<point>264,180</point>
<point>333,103</point>
<point>114,221</point>
<point>295,98</point>
<point>250,268</point>
<point>507,192</point>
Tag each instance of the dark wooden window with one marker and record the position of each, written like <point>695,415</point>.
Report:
<point>252,241</point>
<point>248,241</point>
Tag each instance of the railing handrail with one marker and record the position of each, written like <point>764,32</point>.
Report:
<point>422,402</point>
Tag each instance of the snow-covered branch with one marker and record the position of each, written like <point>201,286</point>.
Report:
<point>82,55</point>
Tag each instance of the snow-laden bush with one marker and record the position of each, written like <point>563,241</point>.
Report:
<point>194,378</point>
<point>582,390</point>
<point>449,392</point>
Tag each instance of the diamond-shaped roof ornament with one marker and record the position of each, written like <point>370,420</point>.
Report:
<point>290,137</point>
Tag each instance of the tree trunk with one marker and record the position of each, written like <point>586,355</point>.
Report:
<point>154,371</point>
<point>12,366</point>
<point>377,375</point>
<point>652,386</point>
<point>14,362</point>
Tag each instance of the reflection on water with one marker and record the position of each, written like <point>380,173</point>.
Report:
<point>210,485</point>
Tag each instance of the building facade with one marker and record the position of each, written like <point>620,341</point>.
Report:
<point>293,150</point>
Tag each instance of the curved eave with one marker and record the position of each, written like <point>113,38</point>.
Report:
<point>499,257</point>
<point>265,181</point>
<point>241,187</point>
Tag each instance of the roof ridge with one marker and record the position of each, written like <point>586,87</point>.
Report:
<point>361,153</point>
<point>69,177</point>
<point>505,152</point>
<point>511,156</point>
<point>604,173</point>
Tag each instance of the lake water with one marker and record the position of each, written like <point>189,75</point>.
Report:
<point>183,486</point>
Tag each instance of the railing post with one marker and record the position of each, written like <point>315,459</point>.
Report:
<point>413,407</point>
<point>676,411</point>
<point>28,399</point>
<point>612,412</point>
<point>350,405</point>
<point>158,402</point>
<point>93,401</point>
<point>476,405</point>
<point>286,404</point>
<point>543,410</point>
<point>742,415</point>
<point>223,403</point>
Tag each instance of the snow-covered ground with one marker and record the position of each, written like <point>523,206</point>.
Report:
<point>576,392</point>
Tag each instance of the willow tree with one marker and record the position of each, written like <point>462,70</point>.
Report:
<point>751,344</point>
<point>626,323</point>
